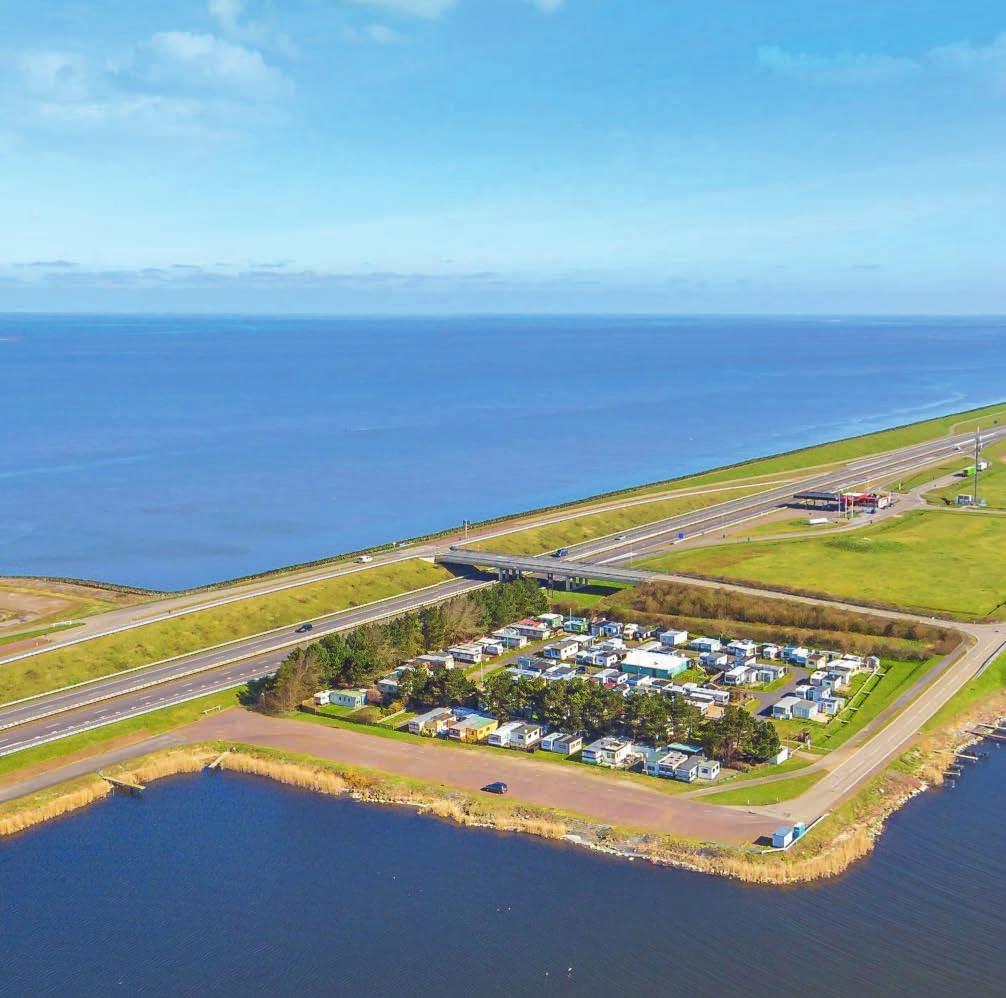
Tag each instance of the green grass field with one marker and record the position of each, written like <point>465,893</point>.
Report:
<point>164,639</point>
<point>788,526</point>
<point>990,683</point>
<point>765,793</point>
<point>991,483</point>
<point>590,526</point>
<point>931,562</point>
<point>868,695</point>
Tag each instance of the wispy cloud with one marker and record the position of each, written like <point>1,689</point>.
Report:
<point>229,16</point>
<point>548,6</point>
<point>982,65</point>
<point>379,34</point>
<point>172,77</point>
<point>841,68</point>
<point>429,9</point>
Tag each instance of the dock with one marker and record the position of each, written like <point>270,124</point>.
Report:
<point>120,784</point>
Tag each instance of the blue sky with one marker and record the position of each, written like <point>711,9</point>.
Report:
<point>503,155</point>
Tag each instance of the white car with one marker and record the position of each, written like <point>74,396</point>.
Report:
<point>363,559</point>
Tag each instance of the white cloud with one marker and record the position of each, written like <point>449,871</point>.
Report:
<point>986,63</point>
<point>982,65</point>
<point>842,68</point>
<point>228,15</point>
<point>176,78</point>
<point>60,76</point>
<point>379,34</point>
<point>183,62</point>
<point>429,9</point>
<point>548,6</point>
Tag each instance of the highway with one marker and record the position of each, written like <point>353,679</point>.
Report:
<point>44,719</point>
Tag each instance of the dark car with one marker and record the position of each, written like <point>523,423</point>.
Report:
<point>304,628</point>
<point>560,552</point>
<point>499,787</point>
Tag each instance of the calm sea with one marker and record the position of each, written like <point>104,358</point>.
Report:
<point>228,885</point>
<point>170,452</point>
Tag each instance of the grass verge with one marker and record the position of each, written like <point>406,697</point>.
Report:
<point>765,793</point>
<point>205,628</point>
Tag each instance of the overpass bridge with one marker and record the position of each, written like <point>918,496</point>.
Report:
<point>572,573</point>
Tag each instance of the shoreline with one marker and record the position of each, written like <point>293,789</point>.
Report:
<point>840,840</point>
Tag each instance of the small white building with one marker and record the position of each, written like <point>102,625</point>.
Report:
<point>742,649</point>
<point>525,736</point>
<point>770,652</point>
<point>432,722</point>
<point>501,736</point>
<point>561,743</point>
<point>511,638</point>
<point>806,710</point>
<point>608,751</point>
<point>562,650</point>
<point>673,639</point>
<point>783,708</point>
<point>739,675</point>
<point>706,644</point>
<point>471,653</point>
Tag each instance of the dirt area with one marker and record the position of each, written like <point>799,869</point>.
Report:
<point>570,788</point>
<point>26,604</point>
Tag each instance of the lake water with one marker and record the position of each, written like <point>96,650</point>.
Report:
<point>170,452</point>
<point>229,885</point>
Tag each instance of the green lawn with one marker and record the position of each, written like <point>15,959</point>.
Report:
<point>586,599</point>
<point>93,742</point>
<point>766,793</point>
<point>152,642</point>
<point>932,562</point>
<point>991,682</point>
<point>791,765</point>
<point>578,529</point>
<point>868,695</point>
<point>788,526</point>
<point>991,483</point>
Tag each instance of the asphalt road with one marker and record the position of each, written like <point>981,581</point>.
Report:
<point>104,701</point>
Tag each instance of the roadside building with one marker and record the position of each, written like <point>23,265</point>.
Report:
<point>608,751</point>
<point>770,652</point>
<point>510,637</point>
<point>604,628</point>
<point>688,771</point>
<point>743,649</point>
<point>712,661</point>
<point>533,630</point>
<point>437,660</point>
<point>492,647</point>
<point>796,654</point>
<point>769,673</point>
<point>559,673</point>
<point>673,639</point>
<point>525,736</point>
<point>561,650</point>
<point>705,644</point>
<point>501,736</point>
<point>782,837</point>
<point>806,710</point>
<point>323,698</point>
<point>389,686</point>
<point>562,743</point>
<point>631,632</point>
<point>783,708</point>
<point>780,757</point>
<point>739,675</point>
<point>473,728</point>
<point>433,722</point>
<point>348,698</point>
<point>597,657</point>
<point>708,769</point>
<point>659,665</point>
<point>469,653</point>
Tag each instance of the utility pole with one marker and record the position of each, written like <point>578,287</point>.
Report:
<point>978,449</point>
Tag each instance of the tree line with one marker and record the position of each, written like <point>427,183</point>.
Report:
<point>370,651</point>
<point>580,705</point>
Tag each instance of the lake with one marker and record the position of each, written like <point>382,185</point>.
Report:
<point>175,451</point>
<point>230,885</point>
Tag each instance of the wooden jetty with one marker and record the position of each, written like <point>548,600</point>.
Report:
<point>120,784</point>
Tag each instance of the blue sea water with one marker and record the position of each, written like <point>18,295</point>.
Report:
<point>228,885</point>
<point>175,451</point>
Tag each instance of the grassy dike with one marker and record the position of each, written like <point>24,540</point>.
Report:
<point>205,628</point>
